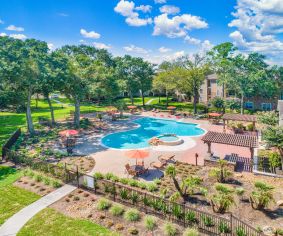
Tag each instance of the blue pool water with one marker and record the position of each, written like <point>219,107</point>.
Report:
<point>149,127</point>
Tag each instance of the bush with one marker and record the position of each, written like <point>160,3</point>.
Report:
<point>240,191</point>
<point>116,210</point>
<point>224,228</point>
<point>132,215</point>
<point>150,223</point>
<point>46,181</point>
<point>191,232</point>
<point>240,231</point>
<point>98,175</point>
<point>103,204</point>
<point>170,229</point>
<point>208,222</point>
<point>109,176</point>
<point>38,178</point>
<point>190,216</point>
<point>262,195</point>
<point>124,181</point>
<point>151,187</point>
<point>56,184</point>
<point>133,231</point>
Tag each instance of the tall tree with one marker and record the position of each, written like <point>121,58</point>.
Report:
<point>196,68</point>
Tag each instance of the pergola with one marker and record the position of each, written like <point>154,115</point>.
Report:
<point>239,117</point>
<point>248,141</point>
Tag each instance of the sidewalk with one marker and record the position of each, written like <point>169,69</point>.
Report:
<point>13,225</point>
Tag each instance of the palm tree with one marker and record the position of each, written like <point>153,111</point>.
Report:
<point>262,195</point>
<point>171,172</point>
<point>222,172</point>
<point>223,199</point>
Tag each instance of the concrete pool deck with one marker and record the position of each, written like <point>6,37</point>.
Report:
<point>114,161</point>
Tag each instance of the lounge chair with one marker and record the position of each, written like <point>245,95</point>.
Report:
<point>130,171</point>
<point>166,158</point>
<point>158,164</point>
<point>143,171</point>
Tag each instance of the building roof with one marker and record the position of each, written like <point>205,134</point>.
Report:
<point>239,117</point>
<point>212,77</point>
<point>230,139</point>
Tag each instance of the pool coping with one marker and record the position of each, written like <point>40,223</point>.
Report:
<point>138,125</point>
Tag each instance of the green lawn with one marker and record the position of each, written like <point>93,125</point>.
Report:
<point>49,222</point>
<point>12,198</point>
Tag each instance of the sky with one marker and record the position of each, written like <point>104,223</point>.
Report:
<point>156,30</point>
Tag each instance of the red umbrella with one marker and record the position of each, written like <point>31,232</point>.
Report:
<point>132,107</point>
<point>171,108</point>
<point>68,132</point>
<point>137,154</point>
<point>214,114</point>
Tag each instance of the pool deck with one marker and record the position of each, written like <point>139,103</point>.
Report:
<point>113,160</point>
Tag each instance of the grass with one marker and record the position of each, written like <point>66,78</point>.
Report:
<point>12,198</point>
<point>49,222</point>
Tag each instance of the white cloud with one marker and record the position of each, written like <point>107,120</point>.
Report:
<point>169,9</point>
<point>3,34</point>
<point>177,26</point>
<point>90,34</point>
<point>18,36</point>
<point>135,49</point>
<point>144,8</point>
<point>206,46</point>
<point>82,41</point>
<point>192,40</point>
<point>160,1</point>
<point>15,28</point>
<point>1,22</point>
<point>101,45</point>
<point>50,46</point>
<point>127,9</point>
<point>257,23</point>
<point>164,50</point>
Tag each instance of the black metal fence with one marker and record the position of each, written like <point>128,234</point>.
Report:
<point>11,141</point>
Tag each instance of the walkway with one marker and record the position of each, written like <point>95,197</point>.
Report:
<point>13,225</point>
<point>150,101</point>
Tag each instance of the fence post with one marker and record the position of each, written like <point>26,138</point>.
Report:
<point>184,214</point>
<point>144,203</point>
<point>78,178</point>
<point>231,223</point>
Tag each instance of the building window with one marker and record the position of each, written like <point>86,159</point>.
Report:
<point>266,106</point>
<point>249,105</point>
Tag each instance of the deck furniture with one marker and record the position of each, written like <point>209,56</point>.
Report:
<point>166,158</point>
<point>158,164</point>
<point>131,171</point>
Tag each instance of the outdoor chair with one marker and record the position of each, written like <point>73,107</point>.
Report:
<point>143,171</point>
<point>130,171</point>
<point>166,158</point>
<point>158,165</point>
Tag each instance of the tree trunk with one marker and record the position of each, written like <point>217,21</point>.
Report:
<point>159,99</point>
<point>242,104</point>
<point>281,155</point>
<point>132,98</point>
<point>77,113</point>
<point>51,109</point>
<point>143,103</point>
<point>195,99</point>
<point>177,186</point>
<point>28,113</point>
<point>36,101</point>
<point>167,99</point>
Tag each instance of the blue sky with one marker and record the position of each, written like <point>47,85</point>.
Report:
<point>153,29</point>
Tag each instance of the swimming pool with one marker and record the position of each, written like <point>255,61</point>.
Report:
<point>149,127</point>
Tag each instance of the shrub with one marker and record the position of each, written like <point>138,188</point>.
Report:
<point>119,227</point>
<point>76,198</point>
<point>278,232</point>
<point>157,181</point>
<point>38,178</point>
<point>191,232</point>
<point>116,210</point>
<point>190,216</point>
<point>124,181</point>
<point>98,175</point>
<point>103,204</point>
<point>124,194</point>
<point>224,228</point>
<point>133,231</point>
<point>133,183</point>
<point>134,197</point>
<point>56,184</point>
<point>170,229</point>
<point>240,231</point>
<point>109,176</point>
<point>46,181</point>
<point>150,223</point>
<point>151,187</point>
<point>208,222</point>
<point>221,173</point>
<point>262,195</point>
<point>142,185</point>
<point>132,215</point>
<point>223,199</point>
<point>240,191</point>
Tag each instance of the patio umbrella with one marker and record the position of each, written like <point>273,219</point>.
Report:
<point>137,154</point>
<point>68,132</point>
<point>132,107</point>
<point>171,108</point>
<point>214,114</point>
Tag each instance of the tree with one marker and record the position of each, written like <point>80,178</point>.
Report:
<point>222,172</point>
<point>269,118</point>
<point>262,195</point>
<point>273,135</point>
<point>164,80</point>
<point>22,63</point>
<point>218,103</point>
<point>223,199</point>
<point>196,69</point>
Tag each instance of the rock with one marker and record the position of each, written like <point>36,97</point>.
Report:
<point>267,230</point>
<point>280,203</point>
